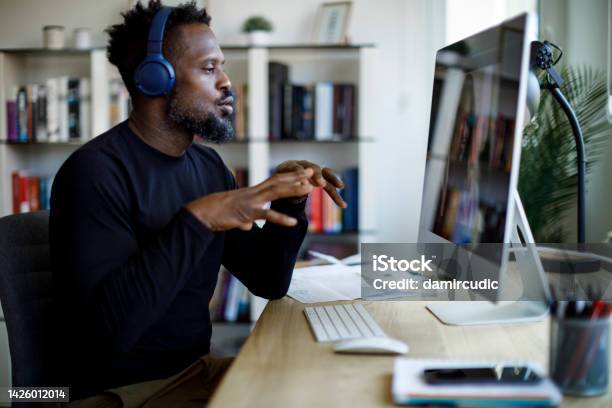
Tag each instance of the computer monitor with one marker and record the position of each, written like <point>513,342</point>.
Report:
<point>473,156</point>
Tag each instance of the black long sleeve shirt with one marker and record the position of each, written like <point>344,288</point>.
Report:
<point>134,271</point>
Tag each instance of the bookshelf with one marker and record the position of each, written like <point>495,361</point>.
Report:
<point>352,64</point>
<point>24,66</point>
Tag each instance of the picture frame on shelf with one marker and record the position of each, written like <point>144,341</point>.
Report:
<point>331,25</point>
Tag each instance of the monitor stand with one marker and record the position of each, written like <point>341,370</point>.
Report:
<point>463,313</point>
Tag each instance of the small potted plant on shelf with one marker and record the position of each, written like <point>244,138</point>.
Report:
<point>258,29</point>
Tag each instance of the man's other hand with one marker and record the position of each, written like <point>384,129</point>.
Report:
<point>324,178</point>
<point>239,208</point>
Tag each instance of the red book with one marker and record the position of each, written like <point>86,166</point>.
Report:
<point>16,188</point>
<point>30,113</point>
<point>21,203</point>
<point>315,213</point>
<point>34,193</point>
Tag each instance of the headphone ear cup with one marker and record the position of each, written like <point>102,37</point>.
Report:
<point>154,77</point>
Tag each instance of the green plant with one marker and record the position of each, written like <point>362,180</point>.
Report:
<point>256,23</point>
<point>548,174</point>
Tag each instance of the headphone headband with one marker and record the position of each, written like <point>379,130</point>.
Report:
<point>155,75</point>
<point>156,32</point>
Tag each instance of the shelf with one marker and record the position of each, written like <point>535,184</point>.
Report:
<point>343,234</point>
<point>70,143</point>
<point>333,141</point>
<point>44,51</point>
<point>291,141</point>
<point>302,141</point>
<point>229,142</point>
<point>334,47</point>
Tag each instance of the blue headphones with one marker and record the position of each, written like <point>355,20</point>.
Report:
<point>155,75</point>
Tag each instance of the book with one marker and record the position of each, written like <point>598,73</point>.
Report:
<point>297,127</point>
<point>62,103</point>
<point>85,108</point>
<point>278,77</point>
<point>218,298</point>
<point>21,202</point>
<point>350,194</point>
<point>302,112</point>
<point>11,120</point>
<point>453,198</point>
<point>120,105</point>
<point>234,292</point>
<point>307,113</point>
<point>22,115</point>
<point>320,111</point>
<point>40,117</point>
<point>45,192</point>
<point>347,126</point>
<point>73,101</point>
<point>31,111</point>
<point>244,306</point>
<point>315,210</point>
<point>324,110</point>
<point>53,130</point>
<point>30,192</point>
<point>288,111</point>
<point>33,194</point>
<point>324,215</point>
<point>230,301</point>
<point>332,218</point>
<point>344,107</point>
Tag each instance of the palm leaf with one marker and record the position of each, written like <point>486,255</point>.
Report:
<point>548,174</point>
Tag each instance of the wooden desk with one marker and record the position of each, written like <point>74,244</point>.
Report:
<point>281,365</point>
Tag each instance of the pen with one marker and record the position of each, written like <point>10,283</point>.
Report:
<point>600,310</point>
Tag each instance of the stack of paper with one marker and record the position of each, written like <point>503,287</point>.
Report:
<point>341,280</point>
<point>326,283</point>
<point>409,387</point>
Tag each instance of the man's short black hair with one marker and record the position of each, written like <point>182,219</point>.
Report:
<point>127,45</point>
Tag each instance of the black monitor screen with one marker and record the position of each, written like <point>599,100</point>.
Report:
<point>471,135</point>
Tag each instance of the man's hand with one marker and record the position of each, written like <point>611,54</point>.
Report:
<point>324,178</point>
<point>239,208</point>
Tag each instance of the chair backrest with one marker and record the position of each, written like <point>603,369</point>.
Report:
<point>26,294</point>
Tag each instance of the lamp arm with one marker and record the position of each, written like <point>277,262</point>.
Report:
<point>580,156</point>
<point>542,58</point>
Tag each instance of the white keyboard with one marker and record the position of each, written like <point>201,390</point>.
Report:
<point>340,322</point>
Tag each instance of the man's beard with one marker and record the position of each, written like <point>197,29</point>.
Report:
<point>208,126</point>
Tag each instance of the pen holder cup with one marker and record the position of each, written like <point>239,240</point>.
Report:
<point>579,355</point>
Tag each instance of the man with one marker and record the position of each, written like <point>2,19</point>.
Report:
<point>142,219</point>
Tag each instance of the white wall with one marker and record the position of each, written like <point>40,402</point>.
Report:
<point>21,21</point>
<point>466,17</point>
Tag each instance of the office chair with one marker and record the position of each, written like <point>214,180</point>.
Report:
<point>26,295</point>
